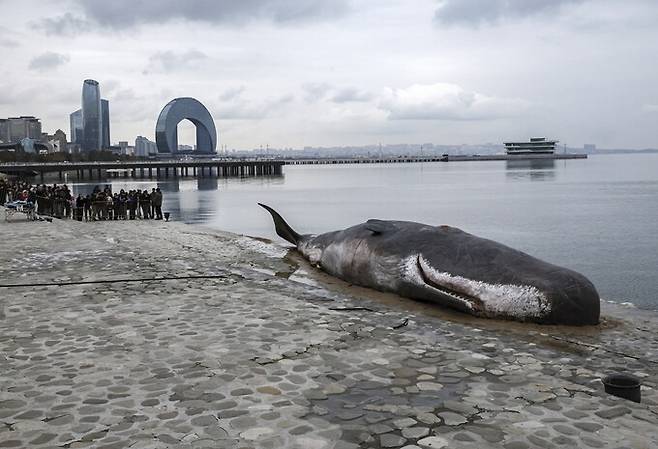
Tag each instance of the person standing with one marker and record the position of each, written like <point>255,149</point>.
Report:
<point>132,204</point>
<point>94,206</point>
<point>79,205</point>
<point>152,197</point>
<point>67,199</point>
<point>146,204</point>
<point>109,206</point>
<point>157,203</point>
<point>138,199</point>
<point>86,204</point>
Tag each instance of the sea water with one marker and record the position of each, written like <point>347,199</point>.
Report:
<point>598,216</point>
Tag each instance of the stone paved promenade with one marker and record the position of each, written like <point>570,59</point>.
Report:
<point>240,345</point>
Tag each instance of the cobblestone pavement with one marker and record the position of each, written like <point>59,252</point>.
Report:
<point>237,344</point>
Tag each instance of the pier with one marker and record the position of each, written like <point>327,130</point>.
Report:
<point>232,167</point>
<point>443,158</point>
<point>147,169</point>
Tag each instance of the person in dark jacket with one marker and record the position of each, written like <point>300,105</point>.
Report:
<point>86,204</point>
<point>79,206</point>
<point>132,204</point>
<point>145,202</point>
<point>156,198</point>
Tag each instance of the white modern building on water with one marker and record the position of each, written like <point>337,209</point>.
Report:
<point>536,145</point>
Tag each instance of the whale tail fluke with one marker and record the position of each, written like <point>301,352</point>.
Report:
<point>282,228</point>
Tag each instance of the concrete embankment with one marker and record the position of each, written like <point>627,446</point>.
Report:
<point>150,335</point>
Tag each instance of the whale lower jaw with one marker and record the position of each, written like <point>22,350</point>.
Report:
<point>519,302</point>
<point>472,303</point>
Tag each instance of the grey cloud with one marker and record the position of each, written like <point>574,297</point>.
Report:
<point>48,60</point>
<point>8,42</point>
<point>315,91</point>
<point>129,13</point>
<point>7,95</point>
<point>445,101</point>
<point>245,110</point>
<point>48,93</point>
<point>124,95</point>
<point>169,61</point>
<point>232,93</point>
<point>110,86</point>
<point>474,12</point>
<point>65,25</point>
<point>351,95</point>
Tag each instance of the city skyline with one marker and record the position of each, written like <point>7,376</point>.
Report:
<point>342,73</point>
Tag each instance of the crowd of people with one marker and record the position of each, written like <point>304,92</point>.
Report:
<point>105,205</point>
<point>102,204</point>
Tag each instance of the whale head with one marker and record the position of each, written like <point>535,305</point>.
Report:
<point>488,279</point>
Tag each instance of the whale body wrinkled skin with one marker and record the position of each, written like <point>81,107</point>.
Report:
<point>450,267</point>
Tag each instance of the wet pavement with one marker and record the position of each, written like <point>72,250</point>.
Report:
<point>154,335</point>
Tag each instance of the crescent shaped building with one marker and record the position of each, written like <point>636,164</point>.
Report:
<point>177,110</point>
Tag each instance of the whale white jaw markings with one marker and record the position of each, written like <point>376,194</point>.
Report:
<point>521,302</point>
<point>469,301</point>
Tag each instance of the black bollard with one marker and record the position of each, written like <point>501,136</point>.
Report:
<point>623,386</point>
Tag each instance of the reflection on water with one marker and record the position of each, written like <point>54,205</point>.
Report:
<point>209,183</point>
<point>531,169</point>
<point>191,200</point>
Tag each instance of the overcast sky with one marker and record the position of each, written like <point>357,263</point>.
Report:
<point>292,73</point>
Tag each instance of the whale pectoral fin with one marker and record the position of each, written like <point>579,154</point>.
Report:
<point>379,226</point>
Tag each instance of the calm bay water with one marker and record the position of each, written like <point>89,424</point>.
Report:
<point>598,216</point>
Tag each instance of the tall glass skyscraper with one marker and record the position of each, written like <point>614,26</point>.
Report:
<point>91,116</point>
<point>105,124</point>
<point>76,127</point>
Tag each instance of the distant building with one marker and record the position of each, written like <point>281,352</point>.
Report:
<point>589,148</point>
<point>91,116</point>
<point>90,125</point>
<point>166,128</point>
<point>145,147</point>
<point>28,145</point>
<point>73,148</point>
<point>60,138</point>
<point>54,143</point>
<point>126,149</point>
<point>76,127</point>
<point>15,129</point>
<point>536,145</point>
<point>105,124</point>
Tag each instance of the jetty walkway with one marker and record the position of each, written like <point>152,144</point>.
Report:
<point>147,169</point>
<point>239,167</point>
<point>443,158</point>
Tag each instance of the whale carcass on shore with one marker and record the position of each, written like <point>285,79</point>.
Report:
<point>450,267</point>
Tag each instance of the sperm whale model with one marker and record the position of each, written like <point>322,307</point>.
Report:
<point>450,267</point>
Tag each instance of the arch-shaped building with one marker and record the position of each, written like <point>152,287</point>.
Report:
<point>177,110</point>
